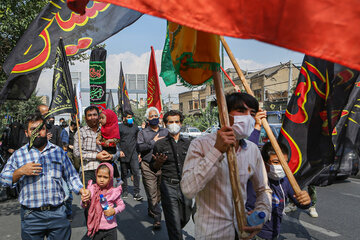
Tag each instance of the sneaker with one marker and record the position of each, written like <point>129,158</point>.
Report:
<point>290,207</point>
<point>313,213</point>
<point>124,195</point>
<point>137,197</point>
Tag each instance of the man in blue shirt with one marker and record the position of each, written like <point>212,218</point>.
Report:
<point>39,171</point>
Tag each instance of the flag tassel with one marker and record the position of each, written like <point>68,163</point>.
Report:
<point>264,122</point>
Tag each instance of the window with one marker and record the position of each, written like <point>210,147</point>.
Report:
<point>203,103</point>
<point>181,107</point>
<point>257,94</point>
<point>191,106</point>
<point>212,89</point>
<point>196,104</point>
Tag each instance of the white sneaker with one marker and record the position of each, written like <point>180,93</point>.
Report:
<point>290,208</point>
<point>313,213</point>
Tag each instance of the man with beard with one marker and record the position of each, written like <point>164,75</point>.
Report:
<point>128,154</point>
<point>145,143</point>
<point>88,134</point>
<point>39,172</point>
<point>54,132</point>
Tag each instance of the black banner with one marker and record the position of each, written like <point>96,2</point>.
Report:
<point>124,101</point>
<point>321,93</point>
<point>110,101</point>
<point>98,78</point>
<point>37,47</point>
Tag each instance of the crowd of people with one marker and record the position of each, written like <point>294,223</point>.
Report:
<point>184,178</point>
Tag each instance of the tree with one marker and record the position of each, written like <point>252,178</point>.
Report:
<point>208,117</point>
<point>15,17</point>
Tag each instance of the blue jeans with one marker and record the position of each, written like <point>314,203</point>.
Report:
<point>35,225</point>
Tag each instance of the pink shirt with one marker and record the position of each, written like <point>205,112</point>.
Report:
<point>113,198</point>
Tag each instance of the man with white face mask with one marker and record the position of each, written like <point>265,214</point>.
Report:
<point>169,156</point>
<point>206,173</point>
<point>281,188</point>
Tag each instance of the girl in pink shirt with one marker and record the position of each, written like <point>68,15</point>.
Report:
<point>98,226</point>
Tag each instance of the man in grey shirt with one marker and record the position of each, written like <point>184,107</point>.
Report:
<point>145,143</point>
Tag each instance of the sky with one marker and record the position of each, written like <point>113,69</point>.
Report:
<point>132,47</point>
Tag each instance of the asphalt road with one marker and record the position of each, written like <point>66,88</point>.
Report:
<point>338,208</point>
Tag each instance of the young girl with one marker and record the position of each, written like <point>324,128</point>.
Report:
<point>98,226</point>
<point>109,135</point>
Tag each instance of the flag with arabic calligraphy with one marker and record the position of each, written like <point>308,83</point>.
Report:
<point>97,77</point>
<point>153,86</point>
<point>63,98</point>
<point>123,96</point>
<point>36,49</point>
<point>322,91</point>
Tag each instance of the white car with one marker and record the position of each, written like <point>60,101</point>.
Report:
<point>190,132</point>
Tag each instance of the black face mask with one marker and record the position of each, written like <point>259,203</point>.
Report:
<point>154,122</point>
<point>40,142</point>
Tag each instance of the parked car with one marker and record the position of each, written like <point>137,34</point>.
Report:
<point>190,132</point>
<point>212,129</point>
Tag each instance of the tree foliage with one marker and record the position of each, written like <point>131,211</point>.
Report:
<point>208,117</point>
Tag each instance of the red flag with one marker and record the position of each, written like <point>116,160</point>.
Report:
<point>153,93</point>
<point>324,29</point>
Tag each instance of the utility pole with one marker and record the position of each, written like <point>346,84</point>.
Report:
<point>290,80</point>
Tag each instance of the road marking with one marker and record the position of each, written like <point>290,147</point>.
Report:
<point>354,182</point>
<point>312,227</point>
<point>352,195</point>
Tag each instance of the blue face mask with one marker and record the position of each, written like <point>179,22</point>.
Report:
<point>154,122</point>
<point>130,121</point>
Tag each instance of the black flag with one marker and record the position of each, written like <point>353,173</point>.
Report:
<point>321,93</point>
<point>37,47</point>
<point>124,101</point>
<point>63,97</point>
<point>110,101</point>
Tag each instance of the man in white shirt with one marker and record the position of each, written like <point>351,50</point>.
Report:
<point>206,173</point>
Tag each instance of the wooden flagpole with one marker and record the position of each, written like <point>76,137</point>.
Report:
<point>80,148</point>
<point>231,155</point>
<point>264,122</point>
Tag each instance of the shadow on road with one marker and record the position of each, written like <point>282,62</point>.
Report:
<point>297,229</point>
<point>10,207</point>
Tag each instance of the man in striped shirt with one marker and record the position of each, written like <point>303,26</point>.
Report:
<point>206,175</point>
<point>39,172</point>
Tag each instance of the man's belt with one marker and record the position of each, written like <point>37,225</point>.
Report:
<point>171,180</point>
<point>44,208</point>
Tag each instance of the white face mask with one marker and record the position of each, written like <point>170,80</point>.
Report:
<point>173,128</point>
<point>276,172</point>
<point>243,126</point>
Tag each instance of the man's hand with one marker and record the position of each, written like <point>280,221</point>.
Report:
<point>122,154</point>
<point>139,157</point>
<point>103,156</point>
<point>159,160</point>
<point>31,169</point>
<point>109,212</point>
<point>85,195</point>
<point>10,150</point>
<point>157,138</point>
<point>258,117</point>
<point>49,136</point>
<point>224,139</point>
<point>303,198</point>
<point>252,231</point>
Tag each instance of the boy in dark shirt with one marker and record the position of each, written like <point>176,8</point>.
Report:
<point>281,188</point>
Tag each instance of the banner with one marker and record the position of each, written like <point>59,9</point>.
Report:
<point>153,87</point>
<point>36,49</point>
<point>123,96</point>
<point>63,98</point>
<point>321,93</point>
<point>306,26</point>
<point>98,78</point>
